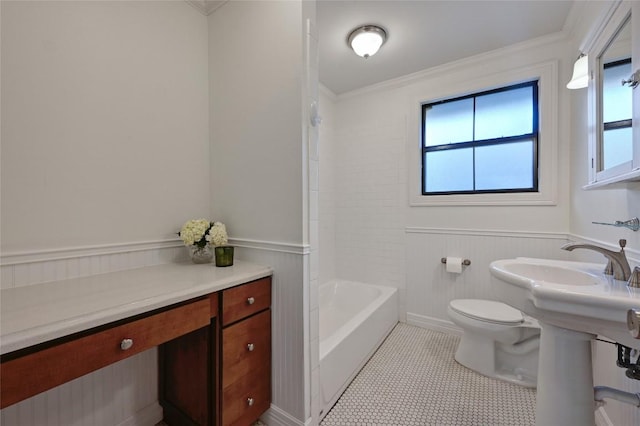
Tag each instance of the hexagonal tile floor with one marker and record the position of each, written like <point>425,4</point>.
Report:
<point>413,380</point>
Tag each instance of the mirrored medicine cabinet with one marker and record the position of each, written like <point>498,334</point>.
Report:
<point>614,98</point>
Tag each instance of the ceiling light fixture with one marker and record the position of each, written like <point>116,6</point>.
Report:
<point>367,39</point>
<point>580,77</point>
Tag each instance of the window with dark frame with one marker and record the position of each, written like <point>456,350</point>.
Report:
<point>486,142</point>
<point>617,145</point>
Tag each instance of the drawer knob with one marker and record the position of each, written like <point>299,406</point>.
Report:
<point>250,347</point>
<point>250,402</point>
<point>251,300</point>
<point>126,344</point>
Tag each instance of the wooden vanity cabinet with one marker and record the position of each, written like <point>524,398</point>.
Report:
<point>246,352</point>
<point>28,372</point>
<point>221,374</point>
<point>188,374</point>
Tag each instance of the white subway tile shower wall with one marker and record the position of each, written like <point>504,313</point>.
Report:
<point>370,195</point>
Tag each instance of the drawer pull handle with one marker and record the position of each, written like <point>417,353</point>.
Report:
<point>126,344</point>
<point>250,402</point>
<point>251,300</point>
<point>250,347</point>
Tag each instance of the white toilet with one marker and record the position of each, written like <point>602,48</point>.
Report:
<point>498,341</point>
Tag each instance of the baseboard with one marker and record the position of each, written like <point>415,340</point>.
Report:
<point>277,417</point>
<point>435,324</point>
<point>148,416</point>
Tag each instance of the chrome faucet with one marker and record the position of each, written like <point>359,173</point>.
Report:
<point>618,265</point>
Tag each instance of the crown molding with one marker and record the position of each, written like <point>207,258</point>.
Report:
<point>470,61</point>
<point>206,7</point>
<point>327,92</point>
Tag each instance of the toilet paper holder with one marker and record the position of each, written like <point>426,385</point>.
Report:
<point>465,262</point>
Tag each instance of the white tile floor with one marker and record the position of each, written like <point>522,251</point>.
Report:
<point>413,380</point>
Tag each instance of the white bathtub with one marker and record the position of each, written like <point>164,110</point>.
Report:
<point>354,320</point>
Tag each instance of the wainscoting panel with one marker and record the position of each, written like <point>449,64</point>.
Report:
<point>21,269</point>
<point>124,394</point>
<point>290,394</point>
<point>430,287</point>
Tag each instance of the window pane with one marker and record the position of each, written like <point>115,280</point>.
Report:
<point>504,114</point>
<point>450,122</point>
<point>450,170</point>
<point>505,166</point>
<point>616,147</point>
<point>616,98</point>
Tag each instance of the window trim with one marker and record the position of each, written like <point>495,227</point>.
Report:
<point>534,136</point>
<point>469,80</point>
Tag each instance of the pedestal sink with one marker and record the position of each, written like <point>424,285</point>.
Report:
<point>574,302</point>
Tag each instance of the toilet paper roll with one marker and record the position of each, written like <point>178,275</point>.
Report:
<point>454,265</point>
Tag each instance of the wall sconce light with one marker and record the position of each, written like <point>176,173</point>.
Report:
<point>367,39</point>
<point>580,77</point>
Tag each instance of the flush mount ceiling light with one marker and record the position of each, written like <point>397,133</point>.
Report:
<point>580,77</point>
<point>367,39</point>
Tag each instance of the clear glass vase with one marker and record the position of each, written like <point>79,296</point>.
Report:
<point>201,254</point>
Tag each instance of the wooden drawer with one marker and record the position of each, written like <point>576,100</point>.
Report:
<point>39,371</point>
<point>246,399</point>
<point>237,358</point>
<point>245,300</point>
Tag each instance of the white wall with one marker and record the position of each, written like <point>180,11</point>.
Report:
<point>256,70</point>
<point>327,210</point>
<point>610,203</point>
<point>104,122</point>
<point>105,153</point>
<point>260,172</point>
<point>619,202</point>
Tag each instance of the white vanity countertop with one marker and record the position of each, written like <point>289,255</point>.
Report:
<point>42,312</point>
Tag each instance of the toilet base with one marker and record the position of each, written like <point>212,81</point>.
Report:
<point>516,364</point>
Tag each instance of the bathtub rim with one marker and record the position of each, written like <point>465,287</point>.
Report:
<point>329,343</point>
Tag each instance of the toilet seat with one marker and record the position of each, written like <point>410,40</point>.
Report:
<point>487,311</point>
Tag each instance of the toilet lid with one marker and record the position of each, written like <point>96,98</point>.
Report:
<point>487,310</point>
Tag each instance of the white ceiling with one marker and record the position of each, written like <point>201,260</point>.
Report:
<point>425,33</point>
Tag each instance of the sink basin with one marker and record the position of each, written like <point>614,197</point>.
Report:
<point>541,272</point>
<point>574,302</point>
<point>573,295</point>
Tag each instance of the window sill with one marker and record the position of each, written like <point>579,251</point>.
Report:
<point>505,199</point>
<point>632,176</point>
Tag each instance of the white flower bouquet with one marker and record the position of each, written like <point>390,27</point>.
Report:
<point>200,232</point>
<point>217,234</point>
<point>199,235</point>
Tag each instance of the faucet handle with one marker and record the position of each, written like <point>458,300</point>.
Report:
<point>623,243</point>
<point>634,279</point>
<point>608,270</point>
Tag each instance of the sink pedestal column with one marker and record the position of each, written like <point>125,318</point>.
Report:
<point>565,378</point>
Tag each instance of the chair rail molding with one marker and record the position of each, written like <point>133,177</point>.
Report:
<point>486,232</point>
<point>32,256</point>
